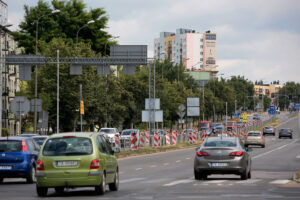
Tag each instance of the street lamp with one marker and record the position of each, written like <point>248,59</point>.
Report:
<point>36,67</point>
<point>88,23</point>
<point>114,37</point>
<point>1,28</point>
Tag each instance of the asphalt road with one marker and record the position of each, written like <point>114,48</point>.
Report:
<point>170,176</point>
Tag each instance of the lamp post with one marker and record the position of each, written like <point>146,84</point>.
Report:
<point>88,23</point>
<point>1,28</point>
<point>36,67</point>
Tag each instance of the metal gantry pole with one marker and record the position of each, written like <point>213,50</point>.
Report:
<point>57,101</point>
<point>154,66</point>
<point>1,82</point>
<point>203,103</point>
<point>36,77</point>
<point>80,89</point>
<point>226,117</point>
<point>150,98</point>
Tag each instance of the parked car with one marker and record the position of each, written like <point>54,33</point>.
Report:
<point>214,126</point>
<point>269,130</point>
<point>126,134</point>
<point>231,125</point>
<point>40,139</point>
<point>219,129</point>
<point>28,135</point>
<point>206,129</point>
<point>285,132</point>
<point>206,124</point>
<point>222,155</point>
<point>18,158</point>
<point>109,134</point>
<point>70,160</point>
<point>256,117</point>
<point>255,138</point>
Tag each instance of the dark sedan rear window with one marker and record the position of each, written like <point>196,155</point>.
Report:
<point>10,146</point>
<point>220,143</point>
<point>68,146</point>
<point>285,130</point>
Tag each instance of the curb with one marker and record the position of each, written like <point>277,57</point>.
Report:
<point>297,180</point>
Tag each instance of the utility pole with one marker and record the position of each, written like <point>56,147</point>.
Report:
<point>150,98</point>
<point>235,105</point>
<point>57,100</point>
<point>80,103</point>
<point>226,117</point>
<point>203,102</point>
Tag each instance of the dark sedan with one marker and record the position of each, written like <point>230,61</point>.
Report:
<point>222,155</point>
<point>285,132</point>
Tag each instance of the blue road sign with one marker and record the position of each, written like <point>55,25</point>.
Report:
<point>236,115</point>
<point>297,106</point>
<point>291,111</point>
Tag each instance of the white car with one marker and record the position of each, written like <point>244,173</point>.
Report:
<point>109,134</point>
<point>126,134</point>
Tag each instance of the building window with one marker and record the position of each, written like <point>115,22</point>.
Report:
<point>201,53</point>
<point>201,46</point>
<point>201,59</point>
<point>211,37</point>
<point>201,40</point>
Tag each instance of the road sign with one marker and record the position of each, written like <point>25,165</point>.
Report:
<point>194,102</point>
<point>38,105</point>
<point>236,115</point>
<point>181,114</point>
<point>148,115</point>
<point>244,117</point>
<point>297,106</point>
<point>236,119</point>
<point>272,110</point>
<point>20,105</point>
<point>291,111</point>
<point>181,107</point>
<point>81,107</point>
<point>193,111</point>
<point>181,121</point>
<point>152,103</point>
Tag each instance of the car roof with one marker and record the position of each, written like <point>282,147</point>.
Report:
<point>15,138</point>
<point>221,138</point>
<point>130,130</point>
<point>41,136</point>
<point>77,134</point>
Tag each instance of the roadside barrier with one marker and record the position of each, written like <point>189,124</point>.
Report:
<point>147,137</point>
<point>133,140</point>
<point>174,137</point>
<point>168,142</point>
<point>142,140</point>
<point>157,139</point>
<point>117,141</point>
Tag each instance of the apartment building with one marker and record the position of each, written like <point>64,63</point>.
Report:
<point>10,74</point>
<point>196,51</point>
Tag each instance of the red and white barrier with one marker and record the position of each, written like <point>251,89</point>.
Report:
<point>194,137</point>
<point>133,141</point>
<point>168,142</point>
<point>156,139</point>
<point>174,137</point>
<point>142,140</point>
<point>147,135</point>
<point>203,135</point>
<point>117,141</point>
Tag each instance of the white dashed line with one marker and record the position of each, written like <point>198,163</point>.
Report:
<point>188,158</point>
<point>153,166</point>
<point>280,182</point>
<point>138,169</point>
<point>298,157</point>
<point>131,180</point>
<point>165,164</point>
<point>178,161</point>
<point>178,182</point>
<point>214,182</point>
<point>249,181</point>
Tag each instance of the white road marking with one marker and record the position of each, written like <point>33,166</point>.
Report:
<point>249,181</point>
<point>131,180</point>
<point>178,182</point>
<point>298,157</point>
<point>178,161</point>
<point>214,182</point>
<point>153,166</point>
<point>138,169</point>
<point>165,164</point>
<point>280,182</point>
<point>188,158</point>
<point>260,155</point>
<point>219,184</point>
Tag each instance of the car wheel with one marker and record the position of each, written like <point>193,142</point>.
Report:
<point>263,146</point>
<point>115,185</point>
<point>279,137</point>
<point>41,191</point>
<point>203,176</point>
<point>197,175</point>
<point>59,190</point>
<point>273,134</point>
<point>244,175</point>
<point>1,180</point>
<point>291,137</point>
<point>100,189</point>
<point>31,178</point>
<point>249,174</point>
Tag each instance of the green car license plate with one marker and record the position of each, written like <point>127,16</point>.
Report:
<point>66,163</point>
<point>218,164</point>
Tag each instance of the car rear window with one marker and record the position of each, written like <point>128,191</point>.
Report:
<point>126,132</point>
<point>10,146</point>
<point>220,143</point>
<point>285,130</point>
<point>107,131</point>
<point>254,134</point>
<point>40,140</point>
<point>68,146</point>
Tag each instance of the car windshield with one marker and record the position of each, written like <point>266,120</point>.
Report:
<point>204,124</point>
<point>10,146</point>
<point>40,140</point>
<point>254,134</point>
<point>68,146</point>
<point>268,127</point>
<point>107,131</point>
<point>220,143</point>
<point>285,130</point>
<point>128,132</point>
<point>219,127</point>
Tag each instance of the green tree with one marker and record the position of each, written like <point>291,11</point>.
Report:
<point>73,15</point>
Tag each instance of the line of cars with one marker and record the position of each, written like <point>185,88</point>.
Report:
<point>65,160</point>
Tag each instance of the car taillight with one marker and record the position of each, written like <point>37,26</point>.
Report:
<point>246,136</point>
<point>202,153</point>
<point>236,153</point>
<point>95,164</point>
<point>24,146</point>
<point>40,165</point>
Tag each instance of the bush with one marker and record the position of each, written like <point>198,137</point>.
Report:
<point>4,132</point>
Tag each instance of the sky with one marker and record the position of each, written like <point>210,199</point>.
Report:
<point>257,39</point>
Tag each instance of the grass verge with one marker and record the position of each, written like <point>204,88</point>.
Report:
<point>151,150</point>
<point>274,122</point>
<point>298,174</point>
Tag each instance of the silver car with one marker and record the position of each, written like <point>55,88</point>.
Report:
<point>222,155</point>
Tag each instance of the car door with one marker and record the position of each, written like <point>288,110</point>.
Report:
<point>34,150</point>
<point>111,162</point>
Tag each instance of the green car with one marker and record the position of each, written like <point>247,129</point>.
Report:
<point>69,160</point>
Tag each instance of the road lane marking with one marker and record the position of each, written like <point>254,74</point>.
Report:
<point>131,180</point>
<point>137,169</point>
<point>298,157</point>
<point>178,161</point>
<point>215,181</point>
<point>153,166</point>
<point>280,182</point>
<point>188,158</point>
<point>178,182</point>
<point>249,181</point>
<point>281,147</point>
<point>165,164</point>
